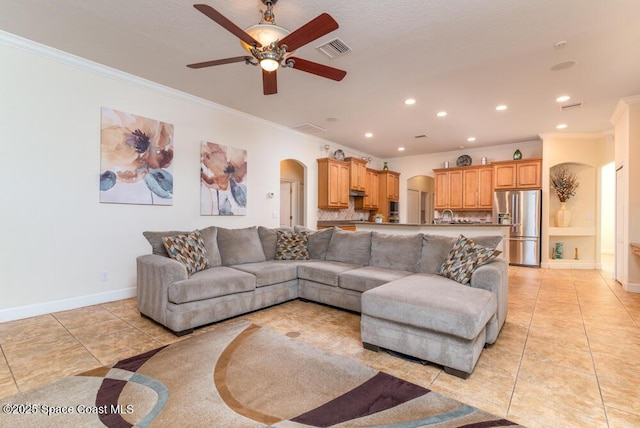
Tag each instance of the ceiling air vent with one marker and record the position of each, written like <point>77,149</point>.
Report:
<point>308,128</point>
<point>334,48</point>
<point>571,106</point>
<point>420,136</point>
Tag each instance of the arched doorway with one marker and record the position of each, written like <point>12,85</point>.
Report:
<point>292,193</point>
<point>420,191</point>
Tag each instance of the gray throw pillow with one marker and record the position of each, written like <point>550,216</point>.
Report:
<point>210,238</point>
<point>399,252</point>
<point>239,246</point>
<point>157,242</point>
<point>435,250</point>
<point>349,247</point>
<point>319,243</point>
<point>268,238</point>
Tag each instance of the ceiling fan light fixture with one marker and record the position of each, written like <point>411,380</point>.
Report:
<point>265,34</point>
<point>269,64</point>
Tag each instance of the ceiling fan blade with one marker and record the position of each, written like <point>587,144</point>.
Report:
<point>220,62</point>
<point>221,20</point>
<point>269,82</point>
<point>317,27</point>
<point>317,69</point>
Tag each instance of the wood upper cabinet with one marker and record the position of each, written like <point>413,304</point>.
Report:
<point>333,184</point>
<point>477,188</point>
<point>449,189</point>
<point>522,174</point>
<point>358,173</point>
<point>390,185</point>
<point>372,191</point>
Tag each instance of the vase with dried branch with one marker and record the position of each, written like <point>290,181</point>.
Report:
<point>564,183</point>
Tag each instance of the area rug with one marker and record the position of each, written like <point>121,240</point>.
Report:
<point>239,375</point>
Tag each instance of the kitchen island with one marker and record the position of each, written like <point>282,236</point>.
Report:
<point>456,229</point>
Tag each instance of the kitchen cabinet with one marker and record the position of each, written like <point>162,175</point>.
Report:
<point>333,184</point>
<point>477,185</point>
<point>448,188</point>
<point>357,173</point>
<point>390,185</point>
<point>371,188</point>
<point>522,174</point>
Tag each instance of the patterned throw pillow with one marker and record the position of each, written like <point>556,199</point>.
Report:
<point>465,257</point>
<point>292,245</point>
<point>189,250</point>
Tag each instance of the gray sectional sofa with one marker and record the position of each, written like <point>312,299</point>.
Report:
<point>391,279</point>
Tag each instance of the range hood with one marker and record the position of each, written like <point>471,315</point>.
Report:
<point>357,193</point>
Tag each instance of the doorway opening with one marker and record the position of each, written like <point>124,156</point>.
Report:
<point>420,192</point>
<point>292,193</point>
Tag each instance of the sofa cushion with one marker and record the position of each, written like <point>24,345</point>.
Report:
<point>318,241</point>
<point>464,258</point>
<point>368,277</point>
<point>157,242</point>
<point>432,302</point>
<point>210,238</point>
<point>435,250</point>
<point>349,247</point>
<point>238,246</point>
<point>399,252</point>
<point>210,283</point>
<point>270,272</point>
<point>189,250</point>
<point>292,245</point>
<point>269,238</point>
<point>324,272</point>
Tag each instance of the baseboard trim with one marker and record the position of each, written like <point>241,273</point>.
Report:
<point>20,312</point>
<point>631,287</point>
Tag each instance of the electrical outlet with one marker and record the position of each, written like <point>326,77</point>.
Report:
<point>275,214</point>
<point>104,276</point>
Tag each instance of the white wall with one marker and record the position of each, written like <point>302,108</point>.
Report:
<point>57,238</point>
<point>608,208</point>
<point>412,166</point>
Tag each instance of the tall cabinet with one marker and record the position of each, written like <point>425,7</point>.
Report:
<point>464,188</point>
<point>333,184</point>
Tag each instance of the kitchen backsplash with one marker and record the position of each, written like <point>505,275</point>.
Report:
<point>346,214</point>
<point>467,216</point>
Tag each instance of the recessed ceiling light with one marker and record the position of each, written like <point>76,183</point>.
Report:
<point>563,98</point>
<point>409,101</point>
<point>332,119</point>
<point>471,139</point>
<point>560,44</point>
<point>561,126</point>
<point>563,65</point>
<point>501,107</point>
<point>401,149</point>
<point>441,114</point>
<point>368,135</point>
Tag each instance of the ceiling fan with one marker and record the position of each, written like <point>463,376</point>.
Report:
<point>271,45</point>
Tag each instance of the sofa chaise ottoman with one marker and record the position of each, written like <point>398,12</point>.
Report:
<point>449,330</point>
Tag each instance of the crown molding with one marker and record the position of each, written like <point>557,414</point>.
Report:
<point>39,49</point>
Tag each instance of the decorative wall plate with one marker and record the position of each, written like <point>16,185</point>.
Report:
<point>338,154</point>
<point>464,160</point>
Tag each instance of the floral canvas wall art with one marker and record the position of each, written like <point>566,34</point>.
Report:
<point>223,180</point>
<point>136,155</point>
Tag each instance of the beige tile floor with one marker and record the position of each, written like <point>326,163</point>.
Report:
<point>568,355</point>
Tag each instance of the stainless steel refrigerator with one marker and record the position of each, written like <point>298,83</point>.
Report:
<point>520,209</point>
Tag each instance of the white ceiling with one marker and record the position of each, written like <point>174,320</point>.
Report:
<point>461,56</point>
